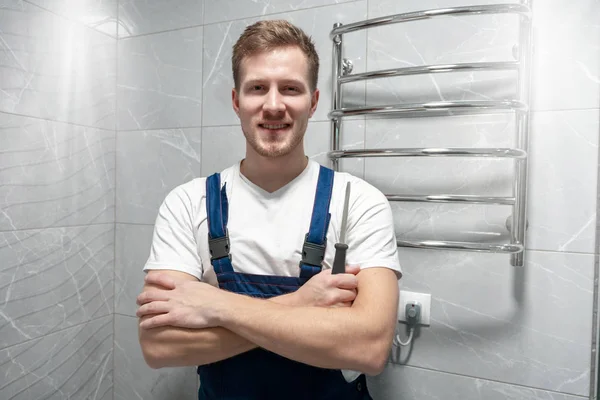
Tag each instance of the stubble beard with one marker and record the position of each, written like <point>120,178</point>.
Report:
<point>273,147</point>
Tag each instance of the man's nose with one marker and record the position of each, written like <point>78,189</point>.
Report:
<point>274,102</point>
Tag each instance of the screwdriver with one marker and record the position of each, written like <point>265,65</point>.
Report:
<point>339,260</point>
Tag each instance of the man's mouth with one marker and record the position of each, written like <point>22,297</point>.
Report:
<point>274,126</point>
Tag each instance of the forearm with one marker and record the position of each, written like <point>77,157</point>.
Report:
<point>177,347</point>
<point>337,338</point>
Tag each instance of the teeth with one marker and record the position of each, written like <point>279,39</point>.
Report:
<point>280,126</point>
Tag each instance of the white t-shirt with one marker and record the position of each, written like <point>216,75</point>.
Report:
<point>267,230</point>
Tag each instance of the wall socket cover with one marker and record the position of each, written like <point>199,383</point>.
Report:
<point>408,297</point>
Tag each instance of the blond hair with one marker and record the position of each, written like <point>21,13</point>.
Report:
<point>268,35</point>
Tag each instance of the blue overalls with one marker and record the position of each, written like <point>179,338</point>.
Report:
<point>260,374</point>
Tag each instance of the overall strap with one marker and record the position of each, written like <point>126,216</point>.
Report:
<point>217,210</point>
<point>313,250</point>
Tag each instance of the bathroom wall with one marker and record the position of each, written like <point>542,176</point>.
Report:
<point>78,199</point>
<point>493,325</point>
<point>57,202</point>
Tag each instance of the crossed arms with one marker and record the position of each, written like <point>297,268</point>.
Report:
<point>343,321</point>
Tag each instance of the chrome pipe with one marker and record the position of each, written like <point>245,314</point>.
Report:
<point>432,108</point>
<point>430,152</point>
<point>427,14</point>
<point>477,247</point>
<point>429,69</point>
<point>519,214</point>
<point>336,94</point>
<point>452,198</point>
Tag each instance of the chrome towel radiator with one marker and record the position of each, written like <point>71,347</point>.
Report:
<point>342,69</point>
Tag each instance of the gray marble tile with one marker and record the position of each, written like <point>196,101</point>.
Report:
<point>562,193</point>
<point>54,174</point>
<point>408,383</point>
<point>137,17</point>
<point>218,11</point>
<point>54,278</point>
<point>97,14</point>
<point>556,183</point>
<point>493,321</point>
<point>159,81</point>
<point>135,380</point>
<point>566,63</point>
<point>460,39</point>
<point>222,146</point>
<point>56,69</point>
<point>149,165</point>
<point>76,363</point>
<point>132,250</point>
<point>318,22</point>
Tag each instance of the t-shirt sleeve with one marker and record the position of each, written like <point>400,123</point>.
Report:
<point>371,237</point>
<point>174,242</point>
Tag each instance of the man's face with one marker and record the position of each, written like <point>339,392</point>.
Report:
<point>274,101</point>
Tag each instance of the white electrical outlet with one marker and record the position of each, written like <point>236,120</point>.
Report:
<point>409,297</point>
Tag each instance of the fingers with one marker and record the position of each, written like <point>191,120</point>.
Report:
<point>155,307</point>
<point>161,280</point>
<point>346,296</point>
<point>352,269</point>
<point>345,281</point>
<point>151,295</point>
<point>155,321</point>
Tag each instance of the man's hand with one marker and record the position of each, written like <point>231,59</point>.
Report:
<point>185,304</point>
<point>327,290</point>
<point>189,304</point>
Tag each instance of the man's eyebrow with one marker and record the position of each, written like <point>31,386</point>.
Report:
<point>290,81</point>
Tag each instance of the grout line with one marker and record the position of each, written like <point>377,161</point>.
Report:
<point>54,120</point>
<point>202,95</point>
<point>125,315</point>
<point>115,244</point>
<point>204,24</point>
<point>478,378</point>
<point>56,227</point>
<point>54,332</point>
<point>594,365</point>
<point>164,129</point>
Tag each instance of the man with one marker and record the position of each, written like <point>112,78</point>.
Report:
<point>238,280</point>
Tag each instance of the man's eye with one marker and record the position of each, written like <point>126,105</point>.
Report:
<point>257,87</point>
<point>292,89</point>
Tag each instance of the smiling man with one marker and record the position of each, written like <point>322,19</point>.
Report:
<point>239,276</point>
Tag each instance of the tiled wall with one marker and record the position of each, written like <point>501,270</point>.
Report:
<point>492,324</point>
<point>71,206</point>
<point>57,205</point>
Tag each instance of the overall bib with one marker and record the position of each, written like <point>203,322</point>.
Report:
<point>260,374</point>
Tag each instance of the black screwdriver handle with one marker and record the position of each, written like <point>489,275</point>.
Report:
<point>339,261</point>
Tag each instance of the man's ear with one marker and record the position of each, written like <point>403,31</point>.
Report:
<point>235,101</point>
<point>314,100</point>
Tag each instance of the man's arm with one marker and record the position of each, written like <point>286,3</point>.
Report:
<point>357,337</point>
<point>169,346</point>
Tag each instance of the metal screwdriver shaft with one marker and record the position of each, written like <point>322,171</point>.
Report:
<point>339,261</point>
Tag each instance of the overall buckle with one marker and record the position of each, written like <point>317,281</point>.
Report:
<point>313,254</point>
<point>219,247</point>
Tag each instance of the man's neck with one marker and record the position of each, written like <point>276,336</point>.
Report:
<point>272,174</point>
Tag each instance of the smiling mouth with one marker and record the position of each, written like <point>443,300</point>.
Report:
<point>274,126</point>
